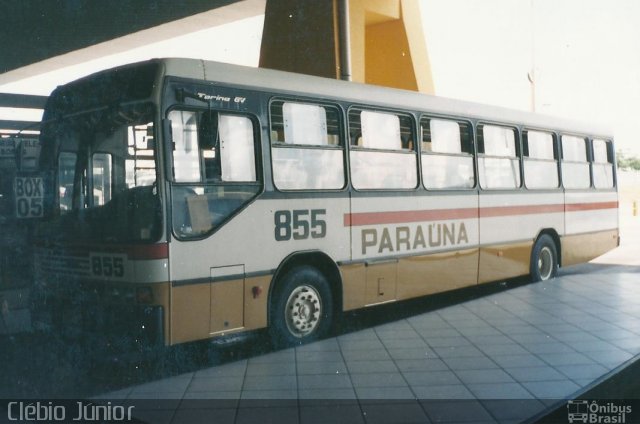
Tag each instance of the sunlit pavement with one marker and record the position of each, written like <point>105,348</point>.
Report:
<point>533,345</point>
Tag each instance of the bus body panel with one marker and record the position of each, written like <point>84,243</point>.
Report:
<point>591,211</point>
<point>242,257</point>
<point>437,272</point>
<point>430,241</point>
<point>581,248</point>
<point>509,225</point>
<point>592,225</point>
<point>250,234</point>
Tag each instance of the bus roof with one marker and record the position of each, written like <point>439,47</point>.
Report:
<point>327,88</point>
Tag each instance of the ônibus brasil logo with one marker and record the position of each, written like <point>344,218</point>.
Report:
<point>593,412</point>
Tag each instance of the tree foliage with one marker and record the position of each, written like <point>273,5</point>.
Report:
<point>628,163</point>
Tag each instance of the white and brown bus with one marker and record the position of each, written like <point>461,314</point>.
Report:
<point>198,199</point>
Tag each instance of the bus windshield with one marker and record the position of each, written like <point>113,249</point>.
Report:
<point>106,173</point>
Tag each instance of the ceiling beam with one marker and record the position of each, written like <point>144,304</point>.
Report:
<point>19,125</point>
<point>22,101</point>
<point>231,12</point>
<point>35,30</point>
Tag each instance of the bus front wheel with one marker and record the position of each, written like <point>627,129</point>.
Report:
<point>544,259</point>
<point>301,307</point>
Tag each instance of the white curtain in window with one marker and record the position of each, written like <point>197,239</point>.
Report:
<point>186,157</point>
<point>600,151</point>
<point>305,124</point>
<point>540,145</point>
<point>236,148</point>
<point>445,136</point>
<point>499,141</point>
<point>573,149</point>
<point>380,130</point>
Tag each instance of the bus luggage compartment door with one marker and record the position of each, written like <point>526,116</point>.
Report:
<point>227,299</point>
<point>381,279</point>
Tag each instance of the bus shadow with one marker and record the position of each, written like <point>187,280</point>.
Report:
<point>92,374</point>
<point>599,268</point>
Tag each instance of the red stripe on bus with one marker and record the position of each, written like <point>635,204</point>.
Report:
<point>152,251</point>
<point>400,217</point>
<point>574,207</point>
<point>136,251</point>
<point>520,210</point>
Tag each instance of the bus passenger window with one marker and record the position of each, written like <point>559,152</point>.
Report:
<point>540,160</point>
<point>215,169</point>
<point>237,155</point>
<point>186,155</point>
<point>102,179</point>
<point>304,124</point>
<point>380,131</point>
<point>575,165</point>
<point>602,163</point>
<point>498,161</point>
<point>307,152</point>
<point>447,154</point>
<point>383,155</point>
<point>140,165</point>
<point>66,174</point>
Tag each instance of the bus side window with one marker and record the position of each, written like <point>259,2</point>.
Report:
<point>237,155</point>
<point>602,163</point>
<point>498,157</point>
<point>540,160</point>
<point>208,136</point>
<point>306,146</point>
<point>575,163</point>
<point>102,178</point>
<point>447,154</point>
<point>186,153</point>
<point>66,178</point>
<point>215,166</point>
<point>383,154</point>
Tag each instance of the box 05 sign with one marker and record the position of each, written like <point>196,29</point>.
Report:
<point>29,195</point>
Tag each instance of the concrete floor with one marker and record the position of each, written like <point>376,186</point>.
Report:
<point>502,358</point>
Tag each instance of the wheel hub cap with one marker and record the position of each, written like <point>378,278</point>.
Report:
<point>545,263</point>
<point>303,311</point>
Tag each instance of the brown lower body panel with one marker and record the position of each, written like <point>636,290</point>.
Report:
<point>415,276</point>
<point>580,248</point>
<point>503,261</point>
<point>201,311</point>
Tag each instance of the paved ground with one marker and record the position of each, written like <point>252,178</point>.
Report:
<point>534,344</point>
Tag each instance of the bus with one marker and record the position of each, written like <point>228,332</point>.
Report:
<point>197,200</point>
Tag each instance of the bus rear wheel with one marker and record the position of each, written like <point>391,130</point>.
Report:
<point>544,259</point>
<point>301,308</point>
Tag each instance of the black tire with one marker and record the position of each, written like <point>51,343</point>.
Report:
<point>544,259</point>
<point>304,293</point>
